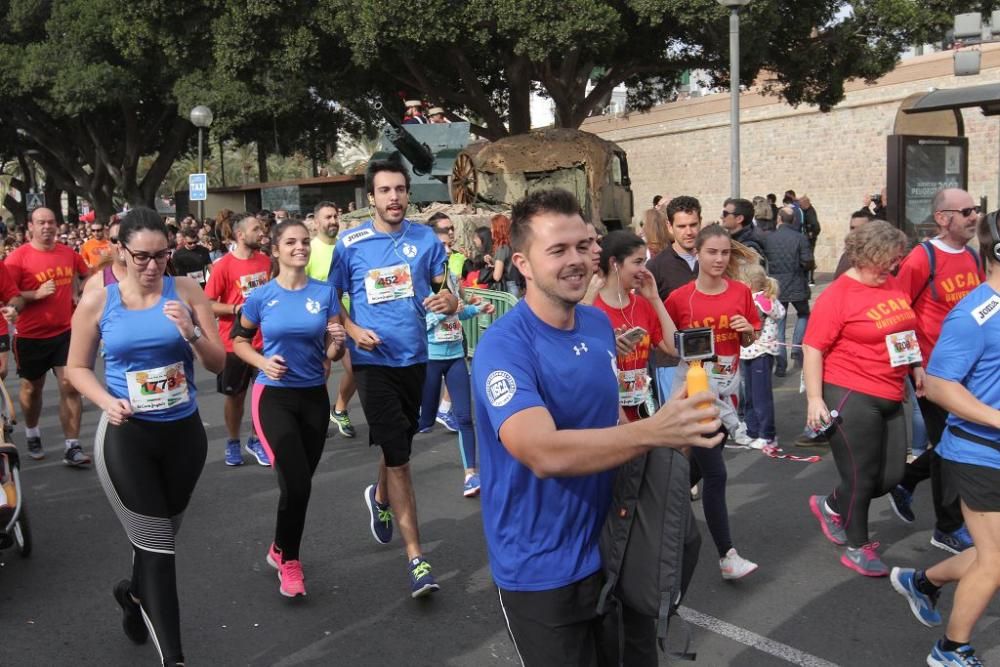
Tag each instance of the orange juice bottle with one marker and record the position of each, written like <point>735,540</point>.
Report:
<point>697,381</point>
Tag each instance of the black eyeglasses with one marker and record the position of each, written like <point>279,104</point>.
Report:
<point>966,212</point>
<point>143,258</point>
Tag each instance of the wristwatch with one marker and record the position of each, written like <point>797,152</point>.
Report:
<point>195,336</point>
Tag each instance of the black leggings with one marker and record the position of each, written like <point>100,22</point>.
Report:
<point>148,471</point>
<point>709,465</point>
<point>948,514</point>
<point>292,425</point>
<point>869,448</point>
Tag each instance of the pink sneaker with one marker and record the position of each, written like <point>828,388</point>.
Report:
<point>864,560</point>
<point>832,524</point>
<point>292,580</point>
<point>274,557</point>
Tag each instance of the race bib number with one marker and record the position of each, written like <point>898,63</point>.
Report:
<point>250,282</point>
<point>389,283</point>
<point>903,348</point>
<point>723,374</point>
<point>448,331</point>
<point>633,387</point>
<point>157,388</point>
<point>197,276</point>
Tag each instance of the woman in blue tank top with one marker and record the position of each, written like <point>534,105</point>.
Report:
<point>300,322</point>
<point>150,444</point>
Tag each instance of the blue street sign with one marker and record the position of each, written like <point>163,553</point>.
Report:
<point>197,187</point>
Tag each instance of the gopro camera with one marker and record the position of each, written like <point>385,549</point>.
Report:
<point>695,344</point>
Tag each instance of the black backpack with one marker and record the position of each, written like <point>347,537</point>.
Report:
<point>650,542</point>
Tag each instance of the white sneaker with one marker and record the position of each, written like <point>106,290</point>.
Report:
<point>740,436</point>
<point>735,566</point>
<point>761,443</point>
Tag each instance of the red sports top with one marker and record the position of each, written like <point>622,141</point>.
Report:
<point>690,309</point>
<point>8,290</point>
<point>638,312</point>
<point>29,268</point>
<point>849,325</point>
<point>232,281</point>
<point>955,275</point>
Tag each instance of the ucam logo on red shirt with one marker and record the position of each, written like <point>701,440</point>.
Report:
<point>890,312</point>
<point>957,287</point>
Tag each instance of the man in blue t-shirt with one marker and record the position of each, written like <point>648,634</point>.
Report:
<point>547,420</point>
<point>394,271</point>
<point>963,377</point>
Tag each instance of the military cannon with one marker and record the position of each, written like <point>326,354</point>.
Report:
<point>447,167</point>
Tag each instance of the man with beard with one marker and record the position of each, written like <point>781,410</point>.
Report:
<point>394,270</point>
<point>47,274</point>
<point>326,219</point>
<point>551,435</point>
<point>233,278</point>
<point>938,274</point>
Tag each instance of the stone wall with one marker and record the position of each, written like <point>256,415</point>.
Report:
<point>835,158</point>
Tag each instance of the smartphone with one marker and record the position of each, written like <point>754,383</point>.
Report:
<point>633,335</point>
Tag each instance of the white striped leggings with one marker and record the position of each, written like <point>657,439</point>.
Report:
<point>148,471</point>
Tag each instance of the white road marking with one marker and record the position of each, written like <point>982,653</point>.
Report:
<point>752,639</point>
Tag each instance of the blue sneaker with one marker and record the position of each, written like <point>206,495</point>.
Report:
<point>380,515</point>
<point>256,450</point>
<point>447,419</point>
<point>426,429</point>
<point>923,606</point>
<point>963,656</point>
<point>901,501</point>
<point>471,486</point>
<point>955,542</point>
<point>422,582</point>
<point>233,455</point>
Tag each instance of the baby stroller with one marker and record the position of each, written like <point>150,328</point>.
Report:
<point>14,529</point>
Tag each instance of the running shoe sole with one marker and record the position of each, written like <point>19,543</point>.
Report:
<point>944,547</point>
<point>260,461</point>
<point>848,563</point>
<point>898,586</point>
<point>38,456</point>
<point>817,512</point>
<point>425,590</point>
<point>132,624</point>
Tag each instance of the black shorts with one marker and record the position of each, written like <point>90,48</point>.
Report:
<point>390,397</point>
<point>37,356</point>
<point>4,343</point>
<point>977,486</point>
<point>235,376</point>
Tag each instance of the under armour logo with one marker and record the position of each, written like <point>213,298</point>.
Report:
<point>582,347</point>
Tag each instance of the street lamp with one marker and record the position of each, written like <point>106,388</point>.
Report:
<point>201,117</point>
<point>734,91</point>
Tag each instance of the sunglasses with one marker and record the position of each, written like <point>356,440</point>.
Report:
<point>97,229</point>
<point>966,212</point>
<point>725,213</point>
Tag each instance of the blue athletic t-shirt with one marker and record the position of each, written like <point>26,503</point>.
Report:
<point>968,352</point>
<point>146,360</point>
<point>543,533</point>
<point>293,323</point>
<point>388,276</point>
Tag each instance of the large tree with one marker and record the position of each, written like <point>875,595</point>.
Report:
<point>483,58</point>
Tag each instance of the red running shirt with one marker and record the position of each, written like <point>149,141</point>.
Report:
<point>29,268</point>
<point>232,281</point>
<point>691,309</point>
<point>638,312</point>
<point>955,275</point>
<point>849,325</point>
<point>8,290</point>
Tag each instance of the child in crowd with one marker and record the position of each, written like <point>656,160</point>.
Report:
<point>758,359</point>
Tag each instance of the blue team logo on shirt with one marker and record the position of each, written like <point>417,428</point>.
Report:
<point>312,306</point>
<point>500,388</point>
<point>410,250</point>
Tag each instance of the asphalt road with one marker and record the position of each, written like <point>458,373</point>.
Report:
<point>800,607</point>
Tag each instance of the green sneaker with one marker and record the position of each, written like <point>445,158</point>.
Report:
<point>343,422</point>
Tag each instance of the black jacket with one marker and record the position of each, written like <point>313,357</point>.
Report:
<point>810,225</point>
<point>789,257</point>
<point>751,239</point>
